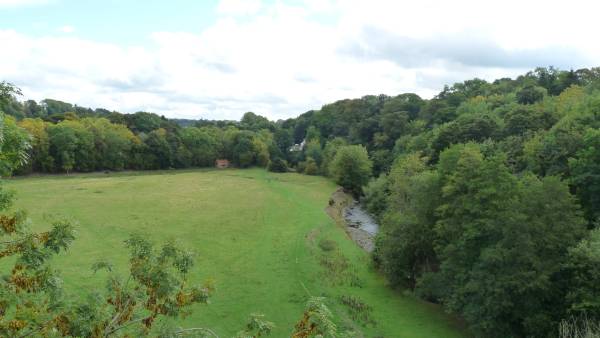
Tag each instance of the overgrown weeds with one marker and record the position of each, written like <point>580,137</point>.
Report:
<point>338,270</point>
<point>359,311</point>
<point>327,245</point>
<point>579,328</point>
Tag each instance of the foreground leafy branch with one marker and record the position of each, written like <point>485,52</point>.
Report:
<point>32,301</point>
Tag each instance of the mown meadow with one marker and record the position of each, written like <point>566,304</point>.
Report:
<point>262,238</point>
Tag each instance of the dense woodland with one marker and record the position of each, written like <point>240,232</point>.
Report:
<point>488,194</point>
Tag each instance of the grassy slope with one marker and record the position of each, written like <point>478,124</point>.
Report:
<point>255,233</point>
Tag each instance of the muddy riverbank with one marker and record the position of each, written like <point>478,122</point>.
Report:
<point>359,225</point>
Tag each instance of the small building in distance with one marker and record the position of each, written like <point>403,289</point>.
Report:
<point>222,163</point>
<point>298,146</point>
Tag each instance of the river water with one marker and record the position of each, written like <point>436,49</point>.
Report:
<point>361,227</point>
<point>358,218</point>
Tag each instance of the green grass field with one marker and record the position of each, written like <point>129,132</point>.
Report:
<point>256,235</point>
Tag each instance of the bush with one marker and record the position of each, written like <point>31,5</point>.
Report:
<point>278,165</point>
<point>359,311</point>
<point>301,166</point>
<point>579,328</point>
<point>327,245</point>
<point>375,199</point>
<point>311,167</point>
<point>351,168</point>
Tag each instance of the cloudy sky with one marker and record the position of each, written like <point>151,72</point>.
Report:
<point>219,59</point>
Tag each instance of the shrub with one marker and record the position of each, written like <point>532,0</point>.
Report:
<point>327,245</point>
<point>376,194</point>
<point>359,311</point>
<point>579,328</point>
<point>351,168</point>
<point>311,167</point>
<point>301,167</point>
<point>278,165</point>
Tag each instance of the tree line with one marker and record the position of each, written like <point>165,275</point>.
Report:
<point>145,142</point>
<point>488,194</point>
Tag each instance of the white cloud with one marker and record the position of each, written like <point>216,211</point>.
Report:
<point>18,3</point>
<point>239,7</point>
<point>67,29</point>
<point>281,60</point>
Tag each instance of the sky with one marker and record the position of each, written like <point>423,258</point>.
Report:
<point>219,59</point>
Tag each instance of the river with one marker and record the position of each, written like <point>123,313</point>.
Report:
<point>361,226</point>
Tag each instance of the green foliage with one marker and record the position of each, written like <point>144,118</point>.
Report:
<point>7,92</point>
<point>142,122</point>
<point>359,311</point>
<point>327,245</point>
<point>243,151</point>
<point>585,174</point>
<point>112,143</point>
<point>487,244</point>
<point>351,168</point>
<point>30,293</point>
<point>14,141</point>
<point>506,248</point>
<point>382,161</point>
<point>376,195</point>
<point>579,328</point>
<point>34,303</point>
<point>523,119</point>
<point>331,148</point>
<point>316,321</point>
<point>336,267</point>
<point>404,246</point>
<point>14,146</point>
<point>71,138</point>
<point>313,135</point>
<point>548,153</point>
<point>394,123</point>
<point>464,129</point>
<point>257,327</point>
<point>530,94</point>
<point>156,286</point>
<point>311,167</point>
<point>283,139</point>
<point>409,103</point>
<point>56,108</point>
<point>583,267</point>
<point>158,150</point>
<point>255,122</point>
<point>313,150</point>
<point>278,165</point>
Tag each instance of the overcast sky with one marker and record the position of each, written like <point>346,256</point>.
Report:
<point>219,59</point>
